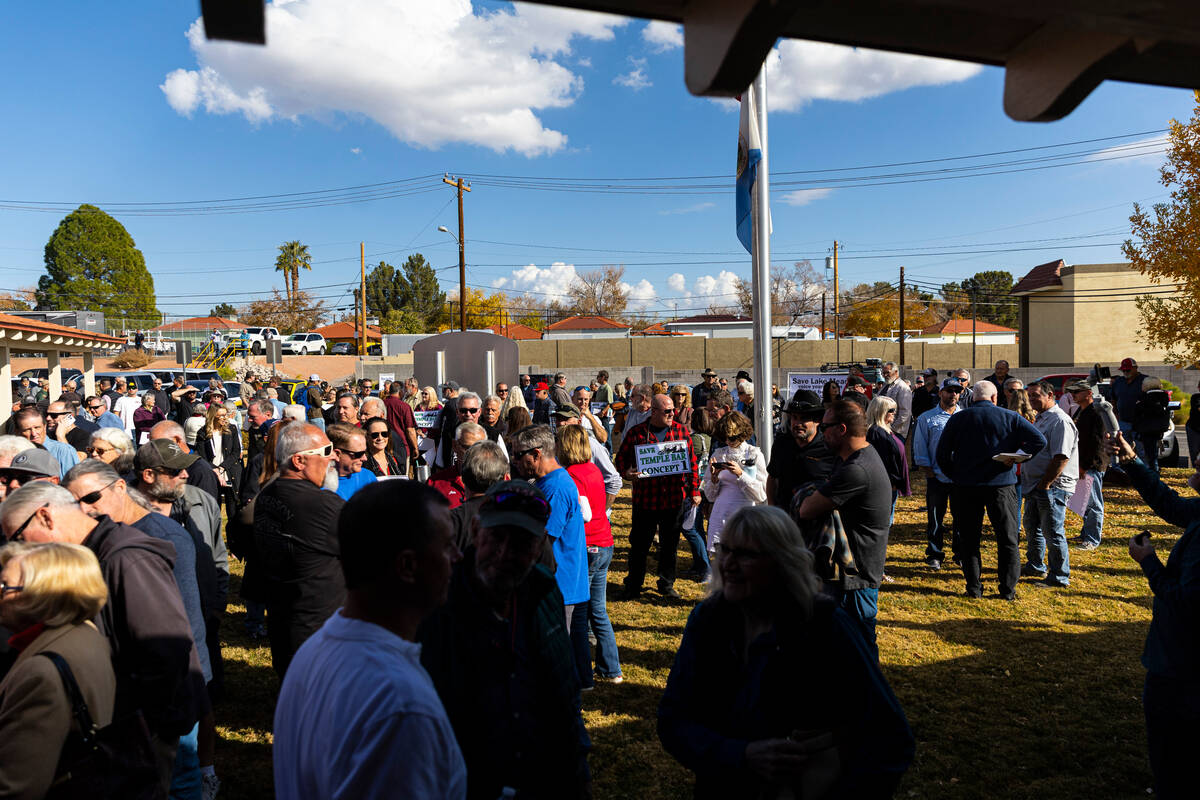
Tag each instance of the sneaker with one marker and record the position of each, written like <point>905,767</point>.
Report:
<point>1087,545</point>
<point>1047,584</point>
<point>612,679</point>
<point>209,786</point>
<point>1028,571</point>
<point>933,563</point>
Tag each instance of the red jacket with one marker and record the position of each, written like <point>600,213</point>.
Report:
<point>449,483</point>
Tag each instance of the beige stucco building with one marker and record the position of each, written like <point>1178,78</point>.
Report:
<point>1081,314</point>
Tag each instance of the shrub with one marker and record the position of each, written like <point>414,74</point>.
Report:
<point>226,373</point>
<point>1180,414</point>
<point>131,359</point>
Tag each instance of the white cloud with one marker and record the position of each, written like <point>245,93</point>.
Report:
<point>676,282</point>
<point>431,73</point>
<point>584,62</point>
<point>803,197</point>
<point>549,283</point>
<point>663,36</point>
<point>641,294</point>
<point>636,78</point>
<point>1141,151</point>
<point>687,209</point>
<point>720,288</point>
<point>356,150</point>
<point>799,72</point>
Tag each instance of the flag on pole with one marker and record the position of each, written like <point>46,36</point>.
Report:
<point>748,156</point>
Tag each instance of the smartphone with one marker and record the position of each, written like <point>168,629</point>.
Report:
<point>1142,538</point>
<point>68,420</point>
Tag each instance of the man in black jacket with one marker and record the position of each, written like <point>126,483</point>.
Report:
<point>501,660</point>
<point>296,544</point>
<point>1093,460</point>
<point>154,656</point>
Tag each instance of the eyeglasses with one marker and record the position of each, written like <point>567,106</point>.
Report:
<point>739,553</point>
<point>93,497</point>
<point>522,453</point>
<point>96,451</point>
<point>5,588</point>
<point>462,410</point>
<point>56,414</point>
<point>325,451</point>
<point>824,426</point>
<point>19,534</point>
<point>678,394</point>
<point>168,471</point>
<point>354,454</point>
<point>502,391</point>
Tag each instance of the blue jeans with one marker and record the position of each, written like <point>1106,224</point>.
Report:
<point>185,780</point>
<point>695,540</point>
<point>1093,515</point>
<point>608,662</point>
<point>1045,516</point>
<point>937,499</point>
<point>863,607</point>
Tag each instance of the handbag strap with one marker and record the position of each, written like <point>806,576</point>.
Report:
<point>78,705</point>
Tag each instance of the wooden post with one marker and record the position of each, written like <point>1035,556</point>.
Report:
<point>902,316</point>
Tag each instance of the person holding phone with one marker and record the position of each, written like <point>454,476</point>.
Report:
<point>737,475</point>
<point>1172,653</point>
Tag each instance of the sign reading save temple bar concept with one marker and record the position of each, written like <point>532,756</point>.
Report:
<point>662,458</point>
<point>426,419</point>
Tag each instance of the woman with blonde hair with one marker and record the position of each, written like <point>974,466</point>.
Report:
<point>221,446</point>
<point>881,413</point>
<point>681,395</point>
<point>49,593</point>
<point>736,476</point>
<point>1019,402</point>
<point>740,709</point>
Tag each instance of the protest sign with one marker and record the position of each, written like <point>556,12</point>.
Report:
<point>662,458</point>
<point>597,407</point>
<point>813,381</point>
<point>426,419</point>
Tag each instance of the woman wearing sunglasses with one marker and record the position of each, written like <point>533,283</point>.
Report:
<point>381,459</point>
<point>736,475</point>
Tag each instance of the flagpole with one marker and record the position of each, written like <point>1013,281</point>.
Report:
<point>761,278</point>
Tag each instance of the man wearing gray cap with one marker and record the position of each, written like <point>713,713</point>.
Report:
<point>30,465</point>
<point>1093,461</point>
<point>499,655</point>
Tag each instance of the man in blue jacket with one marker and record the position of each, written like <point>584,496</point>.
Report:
<point>970,440</point>
<point>1172,652</point>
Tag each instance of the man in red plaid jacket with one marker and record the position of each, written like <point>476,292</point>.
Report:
<point>660,502</point>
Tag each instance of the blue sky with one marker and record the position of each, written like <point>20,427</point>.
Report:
<point>119,104</point>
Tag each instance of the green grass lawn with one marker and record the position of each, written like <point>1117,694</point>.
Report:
<point>1038,698</point>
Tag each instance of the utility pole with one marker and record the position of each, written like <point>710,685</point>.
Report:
<point>837,319</point>
<point>462,253</point>
<point>823,316</point>
<point>902,316</point>
<point>974,317</point>
<point>362,293</point>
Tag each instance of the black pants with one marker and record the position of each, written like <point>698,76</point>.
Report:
<point>641,534</point>
<point>968,504</point>
<point>937,500</point>
<point>1173,730</point>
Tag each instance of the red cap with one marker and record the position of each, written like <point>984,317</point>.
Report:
<point>541,387</point>
<point>1128,363</point>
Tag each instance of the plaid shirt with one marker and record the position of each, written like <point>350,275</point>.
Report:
<point>665,492</point>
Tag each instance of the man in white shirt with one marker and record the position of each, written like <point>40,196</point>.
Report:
<point>126,405</point>
<point>1048,481</point>
<point>898,389</point>
<point>358,716</point>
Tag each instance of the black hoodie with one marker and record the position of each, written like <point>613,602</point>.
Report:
<point>154,657</point>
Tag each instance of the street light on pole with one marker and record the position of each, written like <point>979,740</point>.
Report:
<point>461,186</point>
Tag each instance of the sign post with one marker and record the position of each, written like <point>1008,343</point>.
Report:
<point>183,355</point>
<point>274,354</point>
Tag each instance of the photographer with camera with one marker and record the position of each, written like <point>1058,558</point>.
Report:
<point>1171,697</point>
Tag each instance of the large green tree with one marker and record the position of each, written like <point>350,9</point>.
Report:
<point>92,263</point>
<point>990,290</point>
<point>1166,249</point>
<point>412,289</point>
<point>223,310</point>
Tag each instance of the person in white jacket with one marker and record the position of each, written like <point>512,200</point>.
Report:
<point>736,475</point>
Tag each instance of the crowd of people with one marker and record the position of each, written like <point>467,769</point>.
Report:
<point>448,657</point>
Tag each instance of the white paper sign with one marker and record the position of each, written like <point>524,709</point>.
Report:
<point>814,382</point>
<point>426,419</point>
<point>386,376</point>
<point>662,458</point>
<point>596,408</point>
<point>1083,491</point>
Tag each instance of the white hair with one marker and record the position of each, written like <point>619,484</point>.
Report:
<point>10,446</point>
<point>463,394</point>
<point>466,429</point>
<point>294,412</point>
<point>375,403</point>
<point>292,439</point>
<point>32,496</point>
<point>984,390</point>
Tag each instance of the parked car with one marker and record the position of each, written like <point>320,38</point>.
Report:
<point>68,373</point>
<point>143,379</point>
<point>302,344</point>
<point>343,349</point>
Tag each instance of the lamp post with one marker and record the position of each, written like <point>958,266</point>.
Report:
<point>462,272</point>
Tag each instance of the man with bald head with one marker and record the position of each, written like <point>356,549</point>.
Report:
<point>660,502</point>
<point>296,552</point>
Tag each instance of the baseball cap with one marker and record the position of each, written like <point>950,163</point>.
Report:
<point>952,384</point>
<point>857,380</point>
<point>541,387</point>
<point>517,503</point>
<point>806,403</point>
<point>709,372</point>
<point>1128,363</point>
<point>567,412</point>
<point>36,462</point>
<point>163,453</point>
<point>742,375</point>
<point>450,385</point>
<point>314,377</point>
<point>1078,386</point>
<point>929,372</point>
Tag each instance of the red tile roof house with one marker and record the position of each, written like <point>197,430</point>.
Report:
<point>586,327</point>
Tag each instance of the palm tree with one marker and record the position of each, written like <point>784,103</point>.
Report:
<point>292,256</point>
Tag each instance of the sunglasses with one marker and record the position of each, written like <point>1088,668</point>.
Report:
<point>19,534</point>
<point>168,471</point>
<point>354,454</point>
<point>521,454</point>
<point>468,410</point>
<point>95,408</point>
<point>378,435</point>
<point>56,414</point>
<point>325,451</point>
<point>93,497</point>
<point>502,391</point>
<point>21,478</point>
<point>824,426</point>
<point>5,588</point>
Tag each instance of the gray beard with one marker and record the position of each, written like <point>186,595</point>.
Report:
<point>331,479</point>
